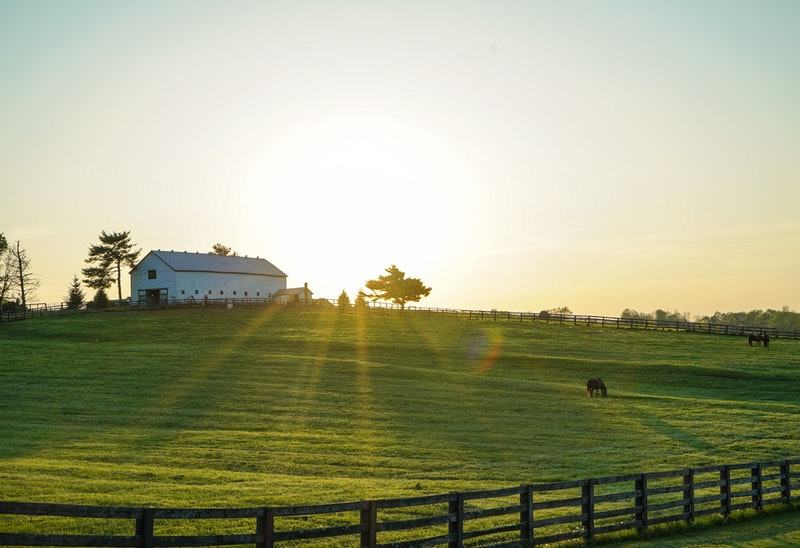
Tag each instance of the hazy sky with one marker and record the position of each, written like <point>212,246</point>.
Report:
<point>517,155</point>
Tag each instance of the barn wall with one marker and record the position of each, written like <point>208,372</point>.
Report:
<point>202,282</point>
<point>165,276</point>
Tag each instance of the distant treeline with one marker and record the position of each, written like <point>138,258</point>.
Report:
<point>784,319</point>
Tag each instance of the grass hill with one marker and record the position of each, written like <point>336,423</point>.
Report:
<point>283,406</point>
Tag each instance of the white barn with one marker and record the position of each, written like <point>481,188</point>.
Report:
<point>165,276</point>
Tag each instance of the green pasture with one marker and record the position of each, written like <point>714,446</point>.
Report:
<point>256,407</point>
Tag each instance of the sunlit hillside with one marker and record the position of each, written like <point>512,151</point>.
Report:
<point>286,406</point>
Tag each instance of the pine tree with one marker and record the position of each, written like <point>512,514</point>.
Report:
<point>344,300</point>
<point>114,251</point>
<point>75,298</point>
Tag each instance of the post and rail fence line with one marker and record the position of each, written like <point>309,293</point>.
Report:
<point>42,309</point>
<point>584,509</point>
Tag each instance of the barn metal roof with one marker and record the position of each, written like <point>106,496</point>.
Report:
<point>183,261</point>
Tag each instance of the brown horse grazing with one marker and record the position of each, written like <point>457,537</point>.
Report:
<point>596,385</point>
<point>765,338</point>
<point>755,339</point>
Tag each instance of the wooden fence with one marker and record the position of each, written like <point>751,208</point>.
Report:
<point>40,310</point>
<point>530,515</point>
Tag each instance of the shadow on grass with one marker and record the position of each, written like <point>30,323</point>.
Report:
<point>741,528</point>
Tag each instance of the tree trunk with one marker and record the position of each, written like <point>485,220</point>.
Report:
<point>119,284</point>
<point>21,273</point>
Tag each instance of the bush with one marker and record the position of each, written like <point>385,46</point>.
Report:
<point>344,300</point>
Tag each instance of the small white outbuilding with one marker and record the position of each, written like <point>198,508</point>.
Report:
<point>167,276</point>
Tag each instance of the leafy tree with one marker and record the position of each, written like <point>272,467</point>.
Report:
<point>395,287</point>
<point>75,298</point>
<point>562,310</point>
<point>100,299</point>
<point>222,249</point>
<point>114,250</point>
<point>22,278</point>
<point>344,300</point>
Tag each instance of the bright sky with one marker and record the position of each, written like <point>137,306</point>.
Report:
<point>517,155</point>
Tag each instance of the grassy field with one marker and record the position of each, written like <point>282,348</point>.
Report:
<point>272,407</point>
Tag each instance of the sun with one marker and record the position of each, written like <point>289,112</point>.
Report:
<point>358,193</point>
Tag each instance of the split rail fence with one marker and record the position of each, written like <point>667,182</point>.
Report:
<point>40,310</point>
<point>524,515</point>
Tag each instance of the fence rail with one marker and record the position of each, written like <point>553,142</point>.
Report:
<point>42,309</point>
<point>534,514</point>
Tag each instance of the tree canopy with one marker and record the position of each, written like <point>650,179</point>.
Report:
<point>395,287</point>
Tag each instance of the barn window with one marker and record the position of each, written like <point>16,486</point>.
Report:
<point>221,292</point>
<point>245,293</point>
<point>195,292</point>
<point>183,292</point>
<point>258,293</point>
<point>151,274</point>
<point>209,292</point>
<point>234,292</point>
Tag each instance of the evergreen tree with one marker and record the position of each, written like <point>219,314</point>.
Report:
<point>75,298</point>
<point>344,300</point>
<point>114,251</point>
<point>361,300</point>
<point>394,286</point>
<point>100,299</point>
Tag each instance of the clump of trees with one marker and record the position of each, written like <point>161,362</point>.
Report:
<point>395,287</point>
<point>785,319</point>
<point>114,251</point>
<point>344,300</point>
<point>659,315</point>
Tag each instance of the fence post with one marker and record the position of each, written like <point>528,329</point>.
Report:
<point>725,490</point>
<point>786,484</point>
<point>526,515</point>
<point>641,504</point>
<point>369,525</point>
<point>455,528</point>
<point>688,495</point>
<point>587,508</point>
<point>144,529</point>
<point>265,528</point>
<point>756,486</point>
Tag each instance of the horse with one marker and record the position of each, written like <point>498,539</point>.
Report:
<point>765,338</point>
<point>596,385</point>
<point>755,339</point>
